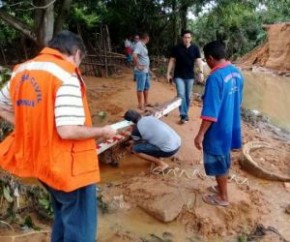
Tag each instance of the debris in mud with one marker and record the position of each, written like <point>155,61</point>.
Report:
<point>111,200</point>
<point>253,116</point>
<point>261,233</point>
<point>123,237</point>
<point>262,122</point>
<point>18,198</point>
<point>115,154</point>
<point>265,161</point>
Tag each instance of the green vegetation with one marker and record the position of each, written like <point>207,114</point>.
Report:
<point>238,23</point>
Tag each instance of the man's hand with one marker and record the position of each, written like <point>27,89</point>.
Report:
<point>108,132</point>
<point>198,141</point>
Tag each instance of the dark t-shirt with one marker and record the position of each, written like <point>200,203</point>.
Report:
<point>184,60</point>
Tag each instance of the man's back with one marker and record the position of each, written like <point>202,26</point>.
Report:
<point>158,133</point>
<point>222,101</point>
<point>46,92</point>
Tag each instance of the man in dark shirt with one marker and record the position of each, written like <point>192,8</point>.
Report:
<point>183,57</point>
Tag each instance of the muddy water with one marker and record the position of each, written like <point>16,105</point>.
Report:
<point>134,220</point>
<point>128,167</point>
<point>269,94</point>
<point>141,224</point>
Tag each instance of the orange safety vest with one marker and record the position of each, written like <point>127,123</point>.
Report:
<point>34,148</point>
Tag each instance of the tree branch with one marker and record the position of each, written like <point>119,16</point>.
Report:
<point>64,11</point>
<point>18,25</point>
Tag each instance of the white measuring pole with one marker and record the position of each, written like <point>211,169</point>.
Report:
<point>125,125</point>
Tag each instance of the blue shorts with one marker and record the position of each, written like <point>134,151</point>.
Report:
<point>152,150</point>
<point>216,165</point>
<point>142,81</point>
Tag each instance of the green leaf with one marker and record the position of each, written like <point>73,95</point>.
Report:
<point>28,222</point>
<point>6,193</point>
<point>44,202</point>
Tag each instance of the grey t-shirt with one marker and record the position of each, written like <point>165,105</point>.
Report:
<point>142,53</point>
<point>158,133</point>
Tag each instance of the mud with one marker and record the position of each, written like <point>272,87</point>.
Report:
<point>274,54</point>
<point>276,159</point>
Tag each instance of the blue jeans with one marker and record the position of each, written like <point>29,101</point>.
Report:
<point>184,91</point>
<point>75,214</point>
<point>142,80</point>
<point>150,149</point>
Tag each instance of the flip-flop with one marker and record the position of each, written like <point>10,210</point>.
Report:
<point>213,189</point>
<point>213,200</point>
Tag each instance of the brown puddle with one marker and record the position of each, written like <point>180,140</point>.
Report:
<point>268,94</point>
<point>130,166</point>
<point>141,224</point>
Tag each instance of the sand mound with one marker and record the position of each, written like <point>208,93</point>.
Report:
<point>274,53</point>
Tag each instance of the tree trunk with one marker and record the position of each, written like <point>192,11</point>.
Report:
<point>23,44</point>
<point>44,21</point>
<point>108,37</point>
<point>3,55</point>
<point>18,25</point>
<point>62,15</point>
<point>174,22</point>
<point>183,16</point>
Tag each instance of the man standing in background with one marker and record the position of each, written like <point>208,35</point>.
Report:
<point>184,56</point>
<point>141,70</point>
<point>128,49</point>
<point>220,130</point>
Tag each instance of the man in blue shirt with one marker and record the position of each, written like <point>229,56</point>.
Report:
<point>220,130</point>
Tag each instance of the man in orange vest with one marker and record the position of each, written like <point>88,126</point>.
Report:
<point>53,138</point>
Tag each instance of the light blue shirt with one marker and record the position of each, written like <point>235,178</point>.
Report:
<point>158,133</point>
<point>142,53</point>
